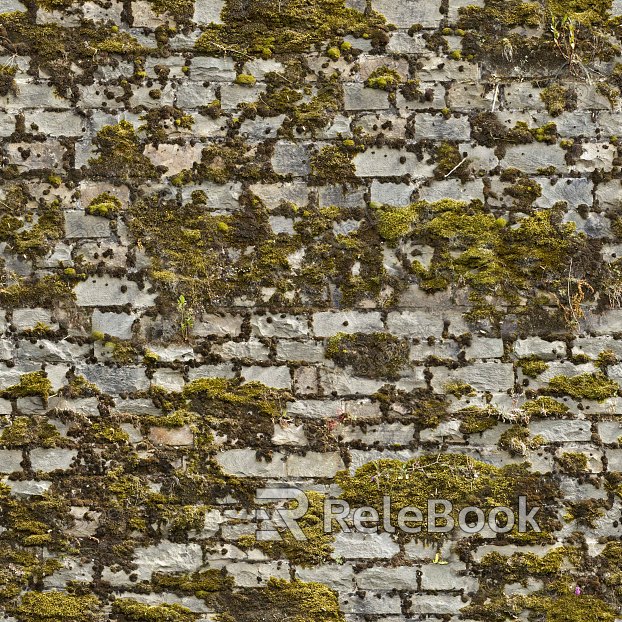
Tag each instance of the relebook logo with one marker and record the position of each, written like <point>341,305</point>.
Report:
<point>290,505</point>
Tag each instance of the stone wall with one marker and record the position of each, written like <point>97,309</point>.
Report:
<point>356,249</point>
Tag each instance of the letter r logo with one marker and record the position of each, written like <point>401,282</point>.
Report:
<point>282,516</point>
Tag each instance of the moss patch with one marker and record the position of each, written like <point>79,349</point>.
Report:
<point>290,601</point>
<point>457,478</point>
<point>57,607</point>
<point>265,29</point>
<point>120,155</point>
<point>33,384</point>
<point>131,610</point>
<point>584,386</point>
<point>376,355</point>
<point>532,366</point>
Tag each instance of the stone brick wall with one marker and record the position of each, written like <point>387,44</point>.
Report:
<point>274,243</point>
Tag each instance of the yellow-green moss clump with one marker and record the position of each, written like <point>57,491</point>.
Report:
<point>532,366</point>
<point>333,164</point>
<point>181,10</point>
<point>544,406</point>
<point>572,608</point>
<point>383,78</point>
<point>456,478</point>
<point>245,79</point>
<point>29,228</point>
<point>44,292</point>
<point>293,601</point>
<point>573,463</point>
<point>475,247</point>
<point>120,155</point>
<point>57,607</point>
<point>307,110</point>
<point>135,611</point>
<point>33,384</point>
<point>558,98</point>
<point>33,431</point>
<point>184,242</point>
<point>230,395</point>
<point>293,26</point>
<point>477,420</point>
<point>20,567</point>
<point>105,205</point>
<point>517,440</point>
<point>584,386</point>
<point>393,223</point>
<point>459,389</point>
<point>519,567</point>
<point>202,584</point>
<point>375,355</point>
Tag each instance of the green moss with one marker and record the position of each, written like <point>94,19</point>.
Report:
<point>573,463</point>
<point>44,292</point>
<point>123,352</point>
<point>524,191</point>
<point>29,229</point>
<point>251,395</point>
<point>105,205</point>
<point>120,155</point>
<point>572,608</point>
<point>245,79</point>
<point>58,51</point>
<point>134,611</point>
<point>450,160</point>
<point>457,478</point>
<point>201,584</point>
<point>384,79</point>
<point>108,432</point>
<point>459,389</point>
<point>519,567</point>
<point>19,568</point>
<point>264,28</point>
<point>507,14</point>
<point>477,420</point>
<point>181,10</point>
<point>293,601</point>
<point>78,386</point>
<point>544,406</point>
<point>476,248</point>
<point>518,441</point>
<point>558,99</point>
<point>184,243</point>
<point>393,223</point>
<point>563,38</point>
<point>25,431</point>
<point>424,408</point>
<point>584,386</point>
<point>334,53</point>
<point>57,607</point>
<point>333,164</point>
<point>606,359</point>
<point>375,355</point>
<point>33,384</point>
<point>586,512</point>
<point>39,331</point>
<point>160,122</point>
<point>532,366</point>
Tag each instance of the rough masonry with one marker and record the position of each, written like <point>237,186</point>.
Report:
<point>360,247</point>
